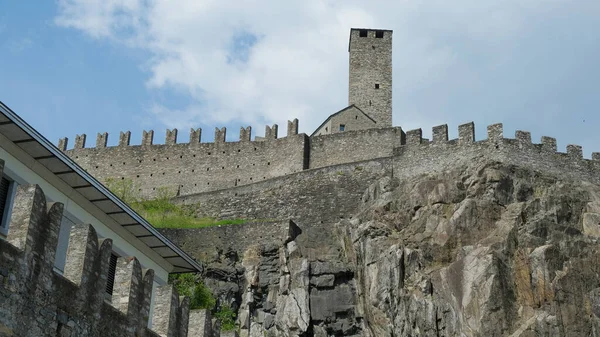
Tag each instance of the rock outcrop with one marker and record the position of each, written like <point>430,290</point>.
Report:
<point>486,249</point>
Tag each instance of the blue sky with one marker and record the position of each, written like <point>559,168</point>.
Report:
<point>88,66</point>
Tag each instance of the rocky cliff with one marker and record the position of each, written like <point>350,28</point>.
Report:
<point>483,249</point>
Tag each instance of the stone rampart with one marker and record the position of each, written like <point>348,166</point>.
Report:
<point>314,196</point>
<point>419,155</point>
<point>194,167</point>
<point>37,301</point>
<point>354,146</point>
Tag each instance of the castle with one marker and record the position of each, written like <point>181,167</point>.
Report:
<point>318,179</point>
<point>361,131</point>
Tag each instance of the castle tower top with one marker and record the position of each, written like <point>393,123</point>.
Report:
<point>370,83</point>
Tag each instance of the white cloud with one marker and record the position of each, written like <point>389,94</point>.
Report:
<point>444,52</point>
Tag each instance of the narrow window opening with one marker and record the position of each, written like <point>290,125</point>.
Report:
<point>326,129</point>
<point>362,33</point>
<point>342,127</point>
<point>112,270</point>
<point>379,35</point>
<point>5,186</point>
<point>376,85</point>
<point>356,117</point>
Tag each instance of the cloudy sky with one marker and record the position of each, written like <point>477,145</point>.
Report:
<point>87,66</point>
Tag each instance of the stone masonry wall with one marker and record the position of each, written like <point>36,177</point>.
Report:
<point>316,196</point>
<point>353,146</point>
<point>38,302</point>
<point>370,86</point>
<point>193,167</point>
<point>352,119</point>
<point>419,155</point>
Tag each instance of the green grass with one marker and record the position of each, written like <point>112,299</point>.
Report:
<point>162,220</point>
<point>161,212</point>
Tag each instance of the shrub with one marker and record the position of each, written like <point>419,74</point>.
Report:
<point>187,285</point>
<point>227,317</point>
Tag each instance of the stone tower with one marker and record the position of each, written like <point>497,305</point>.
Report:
<point>370,85</point>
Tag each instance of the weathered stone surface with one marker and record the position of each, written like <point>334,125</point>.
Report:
<point>322,281</point>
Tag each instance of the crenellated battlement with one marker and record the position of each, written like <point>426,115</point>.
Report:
<point>171,137</point>
<point>421,155</point>
<point>495,133</point>
<point>37,301</point>
<point>195,167</point>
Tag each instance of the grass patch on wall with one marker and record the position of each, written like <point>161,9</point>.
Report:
<point>161,212</point>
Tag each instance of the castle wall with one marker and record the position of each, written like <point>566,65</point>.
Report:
<point>310,197</point>
<point>352,146</point>
<point>196,167</point>
<point>421,156</point>
<point>38,302</point>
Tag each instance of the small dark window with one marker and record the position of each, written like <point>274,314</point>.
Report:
<point>4,190</point>
<point>342,127</point>
<point>376,85</point>
<point>356,117</point>
<point>326,129</point>
<point>112,270</point>
<point>362,33</point>
<point>379,35</point>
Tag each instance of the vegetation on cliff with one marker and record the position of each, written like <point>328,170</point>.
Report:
<point>161,212</point>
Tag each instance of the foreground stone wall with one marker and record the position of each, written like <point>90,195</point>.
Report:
<point>37,302</point>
